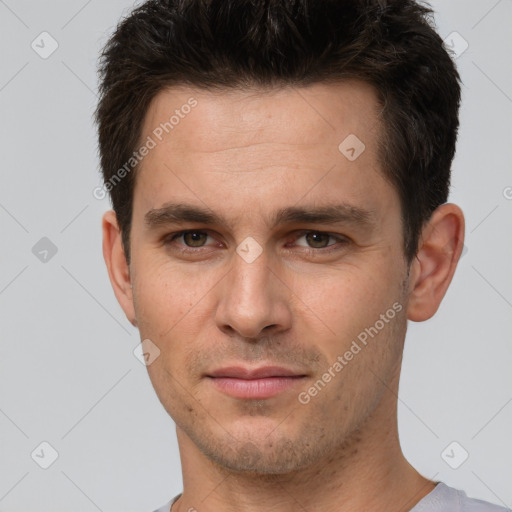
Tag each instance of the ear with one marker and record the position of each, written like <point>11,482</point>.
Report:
<point>439,250</point>
<point>118,269</point>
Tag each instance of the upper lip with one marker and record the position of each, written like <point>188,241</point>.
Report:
<point>254,373</point>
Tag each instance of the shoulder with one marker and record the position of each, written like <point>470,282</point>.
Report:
<point>167,506</point>
<point>474,505</point>
<point>447,499</point>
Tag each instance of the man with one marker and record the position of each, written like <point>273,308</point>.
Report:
<point>279,173</point>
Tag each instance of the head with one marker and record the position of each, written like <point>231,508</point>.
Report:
<point>305,150</point>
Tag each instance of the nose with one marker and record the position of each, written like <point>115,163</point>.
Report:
<point>253,298</point>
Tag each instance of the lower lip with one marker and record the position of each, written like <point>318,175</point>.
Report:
<point>255,388</point>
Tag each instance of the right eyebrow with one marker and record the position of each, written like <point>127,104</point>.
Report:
<point>179,213</point>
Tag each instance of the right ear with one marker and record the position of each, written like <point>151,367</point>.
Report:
<point>117,266</point>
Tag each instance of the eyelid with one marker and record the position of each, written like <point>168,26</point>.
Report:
<point>341,239</point>
<point>170,237</point>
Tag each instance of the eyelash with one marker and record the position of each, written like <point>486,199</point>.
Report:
<point>342,241</point>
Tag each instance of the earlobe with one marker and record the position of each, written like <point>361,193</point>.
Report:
<point>117,266</point>
<point>439,250</point>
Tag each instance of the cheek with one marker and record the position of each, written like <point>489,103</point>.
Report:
<point>347,301</point>
<point>171,314</point>
<point>166,296</point>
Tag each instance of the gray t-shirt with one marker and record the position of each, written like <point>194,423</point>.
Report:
<point>441,499</point>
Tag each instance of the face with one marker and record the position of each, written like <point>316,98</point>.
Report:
<point>265,235</point>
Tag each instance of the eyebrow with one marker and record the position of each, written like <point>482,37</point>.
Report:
<point>181,213</point>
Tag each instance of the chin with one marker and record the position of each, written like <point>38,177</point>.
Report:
<point>264,451</point>
<point>248,457</point>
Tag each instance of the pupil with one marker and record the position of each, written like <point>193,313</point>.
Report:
<point>195,237</point>
<point>316,238</point>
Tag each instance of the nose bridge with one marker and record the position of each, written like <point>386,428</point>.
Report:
<point>251,298</point>
<point>250,290</point>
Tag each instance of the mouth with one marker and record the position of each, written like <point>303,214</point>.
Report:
<point>255,383</point>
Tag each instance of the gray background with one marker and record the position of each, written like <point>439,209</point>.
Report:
<point>68,375</point>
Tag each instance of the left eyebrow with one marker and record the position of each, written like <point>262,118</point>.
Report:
<point>327,214</point>
<point>180,213</point>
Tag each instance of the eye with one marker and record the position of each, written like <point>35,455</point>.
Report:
<point>317,242</point>
<point>192,239</point>
<point>320,240</point>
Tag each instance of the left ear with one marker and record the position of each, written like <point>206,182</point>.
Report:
<point>439,250</point>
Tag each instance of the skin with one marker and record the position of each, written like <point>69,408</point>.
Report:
<point>244,155</point>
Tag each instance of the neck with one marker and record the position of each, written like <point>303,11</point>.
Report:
<point>366,472</point>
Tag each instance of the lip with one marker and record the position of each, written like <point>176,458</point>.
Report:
<point>254,383</point>
<point>240,372</point>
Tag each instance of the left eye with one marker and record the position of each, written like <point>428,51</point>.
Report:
<point>317,239</point>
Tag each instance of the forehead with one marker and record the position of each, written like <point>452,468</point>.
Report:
<point>304,115</point>
<point>265,145</point>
